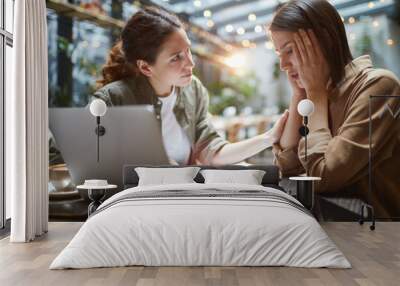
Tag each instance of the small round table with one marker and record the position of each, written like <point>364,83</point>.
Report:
<point>305,190</point>
<point>96,195</point>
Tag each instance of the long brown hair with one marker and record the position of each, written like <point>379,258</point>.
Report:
<point>325,21</point>
<point>141,39</point>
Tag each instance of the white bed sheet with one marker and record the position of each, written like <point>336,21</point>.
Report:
<point>200,231</point>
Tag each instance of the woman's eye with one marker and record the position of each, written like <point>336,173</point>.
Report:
<point>289,52</point>
<point>176,58</point>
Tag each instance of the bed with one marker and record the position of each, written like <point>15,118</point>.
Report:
<point>201,224</point>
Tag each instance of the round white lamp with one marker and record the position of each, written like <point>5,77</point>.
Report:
<point>98,108</point>
<point>305,109</point>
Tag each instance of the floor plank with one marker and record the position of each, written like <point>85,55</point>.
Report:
<point>374,255</point>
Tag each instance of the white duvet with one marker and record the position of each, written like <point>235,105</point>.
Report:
<point>200,231</point>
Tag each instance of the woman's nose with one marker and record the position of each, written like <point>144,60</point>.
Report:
<point>284,64</point>
<point>190,59</point>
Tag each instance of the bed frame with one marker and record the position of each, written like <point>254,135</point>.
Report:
<point>130,178</point>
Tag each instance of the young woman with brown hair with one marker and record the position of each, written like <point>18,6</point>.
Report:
<point>152,64</point>
<point>310,40</point>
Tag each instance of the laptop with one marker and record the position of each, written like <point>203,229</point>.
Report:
<point>132,136</point>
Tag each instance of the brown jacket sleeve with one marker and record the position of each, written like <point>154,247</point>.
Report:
<point>287,160</point>
<point>343,159</point>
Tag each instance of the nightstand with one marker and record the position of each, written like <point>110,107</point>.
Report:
<point>305,190</point>
<point>96,192</point>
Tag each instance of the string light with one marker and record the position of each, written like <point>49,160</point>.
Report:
<point>375,23</point>
<point>371,5</point>
<point>252,17</point>
<point>240,31</point>
<point>258,29</point>
<point>352,20</point>
<point>246,43</point>
<point>197,3</point>
<point>390,42</point>
<point>229,28</point>
<point>210,23</point>
<point>207,13</point>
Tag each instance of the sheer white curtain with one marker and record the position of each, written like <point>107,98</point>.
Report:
<point>27,122</point>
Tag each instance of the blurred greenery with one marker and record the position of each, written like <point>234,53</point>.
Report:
<point>277,69</point>
<point>82,65</point>
<point>276,74</point>
<point>84,73</point>
<point>364,45</point>
<point>235,91</point>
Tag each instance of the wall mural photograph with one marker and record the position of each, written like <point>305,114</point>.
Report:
<point>215,134</point>
<point>230,67</point>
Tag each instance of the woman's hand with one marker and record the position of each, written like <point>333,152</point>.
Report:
<point>297,90</point>
<point>314,74</point>
<point>312,66</point>
<point>276,132</point>
<point>233,153</point>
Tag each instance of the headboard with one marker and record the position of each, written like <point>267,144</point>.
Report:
<point>271,178</point>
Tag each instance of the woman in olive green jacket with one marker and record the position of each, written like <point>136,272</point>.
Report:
<point>152,64</point>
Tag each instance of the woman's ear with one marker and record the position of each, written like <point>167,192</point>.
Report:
<point>144,68</point>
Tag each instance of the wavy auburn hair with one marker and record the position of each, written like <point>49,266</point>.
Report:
<point>141,39</point>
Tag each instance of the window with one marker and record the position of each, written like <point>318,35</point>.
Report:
<point>6,43</point>
<point>9,13</point>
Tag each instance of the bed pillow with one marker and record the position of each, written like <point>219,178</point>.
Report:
<point>248,177</point>
<point>163,176</point>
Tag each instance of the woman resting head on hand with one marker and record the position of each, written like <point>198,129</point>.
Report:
<point>310,39</point>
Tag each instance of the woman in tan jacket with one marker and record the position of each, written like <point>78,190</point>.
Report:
<point>310,39</point>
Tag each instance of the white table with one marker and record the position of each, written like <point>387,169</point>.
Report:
<point>96,195</point>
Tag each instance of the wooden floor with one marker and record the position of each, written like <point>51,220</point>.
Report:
<point>374,255</point>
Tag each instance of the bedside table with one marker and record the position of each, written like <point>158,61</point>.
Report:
<point>305,190</point>
<point>96,193</point>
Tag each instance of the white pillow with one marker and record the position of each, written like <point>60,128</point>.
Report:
<point>163,176</point>
<point>248,177</point>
